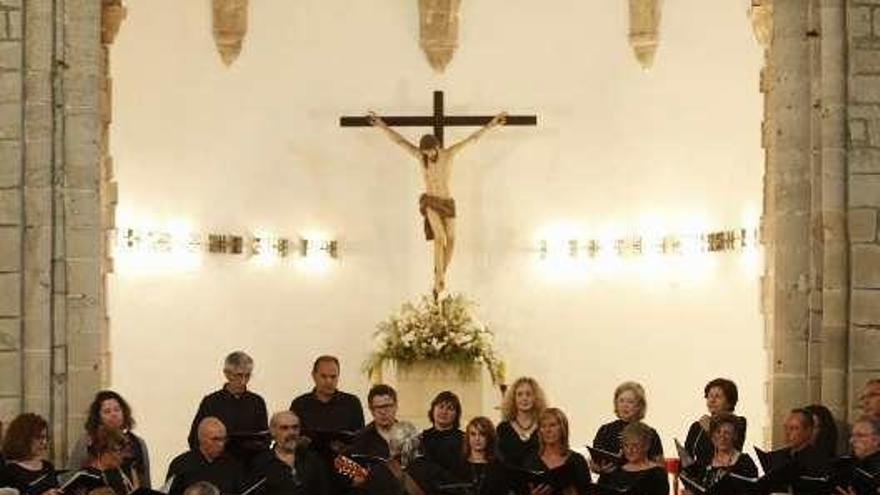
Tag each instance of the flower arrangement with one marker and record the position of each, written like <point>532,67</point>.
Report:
<point>443,330</point>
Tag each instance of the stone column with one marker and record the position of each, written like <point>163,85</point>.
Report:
<point>787,209</point>
<point>863,200</point>
<point>11,206</point>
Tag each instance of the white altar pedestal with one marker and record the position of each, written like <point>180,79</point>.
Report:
<point>417,385</point>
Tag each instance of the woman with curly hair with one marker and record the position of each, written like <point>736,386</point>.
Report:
<point>110,410</point>
<point>523,403</point>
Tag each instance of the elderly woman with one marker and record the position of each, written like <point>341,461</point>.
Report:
<point>865,441</point>
<point>479,464</point>
<point>727,459</point>
<point>442,442</point>
<point>406,471</point>
<point>640,474</point>
<point>110,410</point>
<point>630,405</point>
<point>25,447</point>
<point>721,397</point>
<point>554,452</point>
<point>523,403</point>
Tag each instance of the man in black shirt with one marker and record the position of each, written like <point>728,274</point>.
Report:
<point>373,439</point>
<point>207,462</point>
<point>443,442</point>
<point>802,463</point>
<point>241,411</point>
<point>289,468</point>
<point>326,408</point>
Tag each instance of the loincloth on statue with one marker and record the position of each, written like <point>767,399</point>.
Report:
<point>444,207</point>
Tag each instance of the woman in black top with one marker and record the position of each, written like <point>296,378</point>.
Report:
<point>630,405</point>
<point>726,460</point>
<point>555,454</point>
<point>479,465</point>
<point>639,474</point>
<point>721,397</point>
<point>522,404</point>
<point>443,442</point>
<point>25,448</point>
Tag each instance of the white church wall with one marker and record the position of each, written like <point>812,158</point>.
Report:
<point>257,147</point>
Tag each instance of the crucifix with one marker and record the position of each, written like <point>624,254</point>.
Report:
<point>436,204</point>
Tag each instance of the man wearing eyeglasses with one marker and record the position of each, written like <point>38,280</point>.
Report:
<point>242,412</point>
<point>373,439</point>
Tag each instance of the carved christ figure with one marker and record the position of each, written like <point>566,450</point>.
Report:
<point>436,204</point>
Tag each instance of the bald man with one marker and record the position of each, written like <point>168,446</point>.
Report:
<point>289,467</point>
<point>207,462</point>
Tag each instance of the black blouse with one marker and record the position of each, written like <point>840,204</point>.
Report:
<point>27,481</point>
<point>651,481</point>
<point>511,448</point>
<point>699,445</point>
<point>582,481</point>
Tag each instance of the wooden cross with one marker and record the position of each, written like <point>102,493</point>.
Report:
<point>438,121</point>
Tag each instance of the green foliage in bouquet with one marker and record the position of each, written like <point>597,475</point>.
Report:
<point>443,331</point>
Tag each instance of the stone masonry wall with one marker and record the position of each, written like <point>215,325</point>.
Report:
<point>864,188</point>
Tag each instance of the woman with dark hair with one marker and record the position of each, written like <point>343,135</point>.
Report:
<point>25,447</point>
<point>824,430</point>
<point>442,442</point>
<point>479,465</point>
<point>110,410</point>
<point>727,459</point>
<point>107,452</point>
<point>554,452</point>
<point>721,397</point>
<point>640,474</point>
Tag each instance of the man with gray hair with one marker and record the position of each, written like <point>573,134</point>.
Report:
<point>241,411</point>
<point>290,468</point>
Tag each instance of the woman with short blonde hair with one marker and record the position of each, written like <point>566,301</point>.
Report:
<point>630,405</point>
<point>523,403</point>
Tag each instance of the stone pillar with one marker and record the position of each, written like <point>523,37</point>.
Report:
<point>52,243</point>
<point>11,206</point>
<point>787,209</point>
<point>864,192</point>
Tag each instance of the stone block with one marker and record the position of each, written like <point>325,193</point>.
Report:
<point>38,119</point>
<point>10,120</point>
<point>38,163</point>
<point>866,347</point>
<point>862,224</point>
<point>10,207</point>
<point>10,164</point>
<point>83,278</point>
<point>10,373</point>
<point>15,25</point>
<point>38,206</point>
<point>10,249</point>
<point>10,334</point>
<point>834,348</point>
<point>865,61</point>
<point>876,32</point>
<point>10,54</point>
<point>865,307</point>
<point>83,209</point>
<point>864,161</point>
<point>865,89</point>
<point>10,294</point>
<point>864,190</point>
<point>38,247</point>
<point>84,243</point>
<point>860,21</point>
<point>858,131</point>
<point>10,87</point>
<point>866,266</point>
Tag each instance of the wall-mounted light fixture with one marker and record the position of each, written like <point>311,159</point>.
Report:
<point>312,248</point>
<point>637,245</point>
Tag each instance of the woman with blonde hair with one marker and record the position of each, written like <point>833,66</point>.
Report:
<point>554,452</point>
<point>630,405</point>
<point>523,403</point>
<point>639,474</point>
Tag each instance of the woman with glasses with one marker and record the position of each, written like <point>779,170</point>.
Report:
<point>727,460</point>
<point>26,447</point>
<point>640,474</point>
